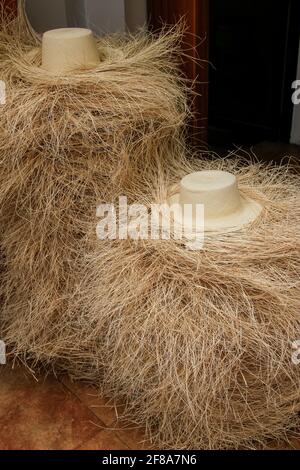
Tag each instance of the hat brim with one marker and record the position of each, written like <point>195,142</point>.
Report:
<point>247,213</point>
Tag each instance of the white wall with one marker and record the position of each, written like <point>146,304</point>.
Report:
<point>46,14</point>
<point>295,135</point>
<point>102,16</point>
<point>136,13</point>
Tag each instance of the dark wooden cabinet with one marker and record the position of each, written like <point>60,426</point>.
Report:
<point>195,45</point>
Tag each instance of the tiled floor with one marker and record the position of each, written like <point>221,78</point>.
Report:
<point>52,414</point>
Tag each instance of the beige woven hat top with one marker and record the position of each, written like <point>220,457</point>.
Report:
<point>225,208</point>
<point>67,49</point>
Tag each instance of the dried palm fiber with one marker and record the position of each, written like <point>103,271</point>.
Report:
<point>12,32</point>
<point>70,142</point>
<point>197,345</point>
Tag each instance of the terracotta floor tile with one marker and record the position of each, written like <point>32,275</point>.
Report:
<point>295,444</point>
<point>134,438</point>
<point>104,440</point>
<point>51,415</point>
<point>108,414</point>
<point>41,415</point>
<point>101,407</point>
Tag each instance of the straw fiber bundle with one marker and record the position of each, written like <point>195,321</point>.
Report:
<point>68,143</point>
<point>12,31</point>
<point>199,343</point>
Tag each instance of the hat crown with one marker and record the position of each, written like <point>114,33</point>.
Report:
<point>216,190</point>
<point>68,49</point>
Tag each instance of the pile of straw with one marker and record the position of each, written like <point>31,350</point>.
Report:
<point>70,142</point>
<point>197,344</point>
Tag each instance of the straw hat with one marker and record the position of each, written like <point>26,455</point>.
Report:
<point>225,208</point>
<point>67,49</point>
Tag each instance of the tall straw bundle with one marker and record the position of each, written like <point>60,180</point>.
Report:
<point>72,141</point>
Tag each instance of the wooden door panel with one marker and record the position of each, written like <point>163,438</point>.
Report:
<point>195,44</point>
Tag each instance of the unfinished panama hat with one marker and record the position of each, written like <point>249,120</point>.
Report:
<point>225,208</point>
<point>68,49</point>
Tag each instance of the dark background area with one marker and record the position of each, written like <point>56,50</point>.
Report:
<point>254,49</point>
<point>249,50</point>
